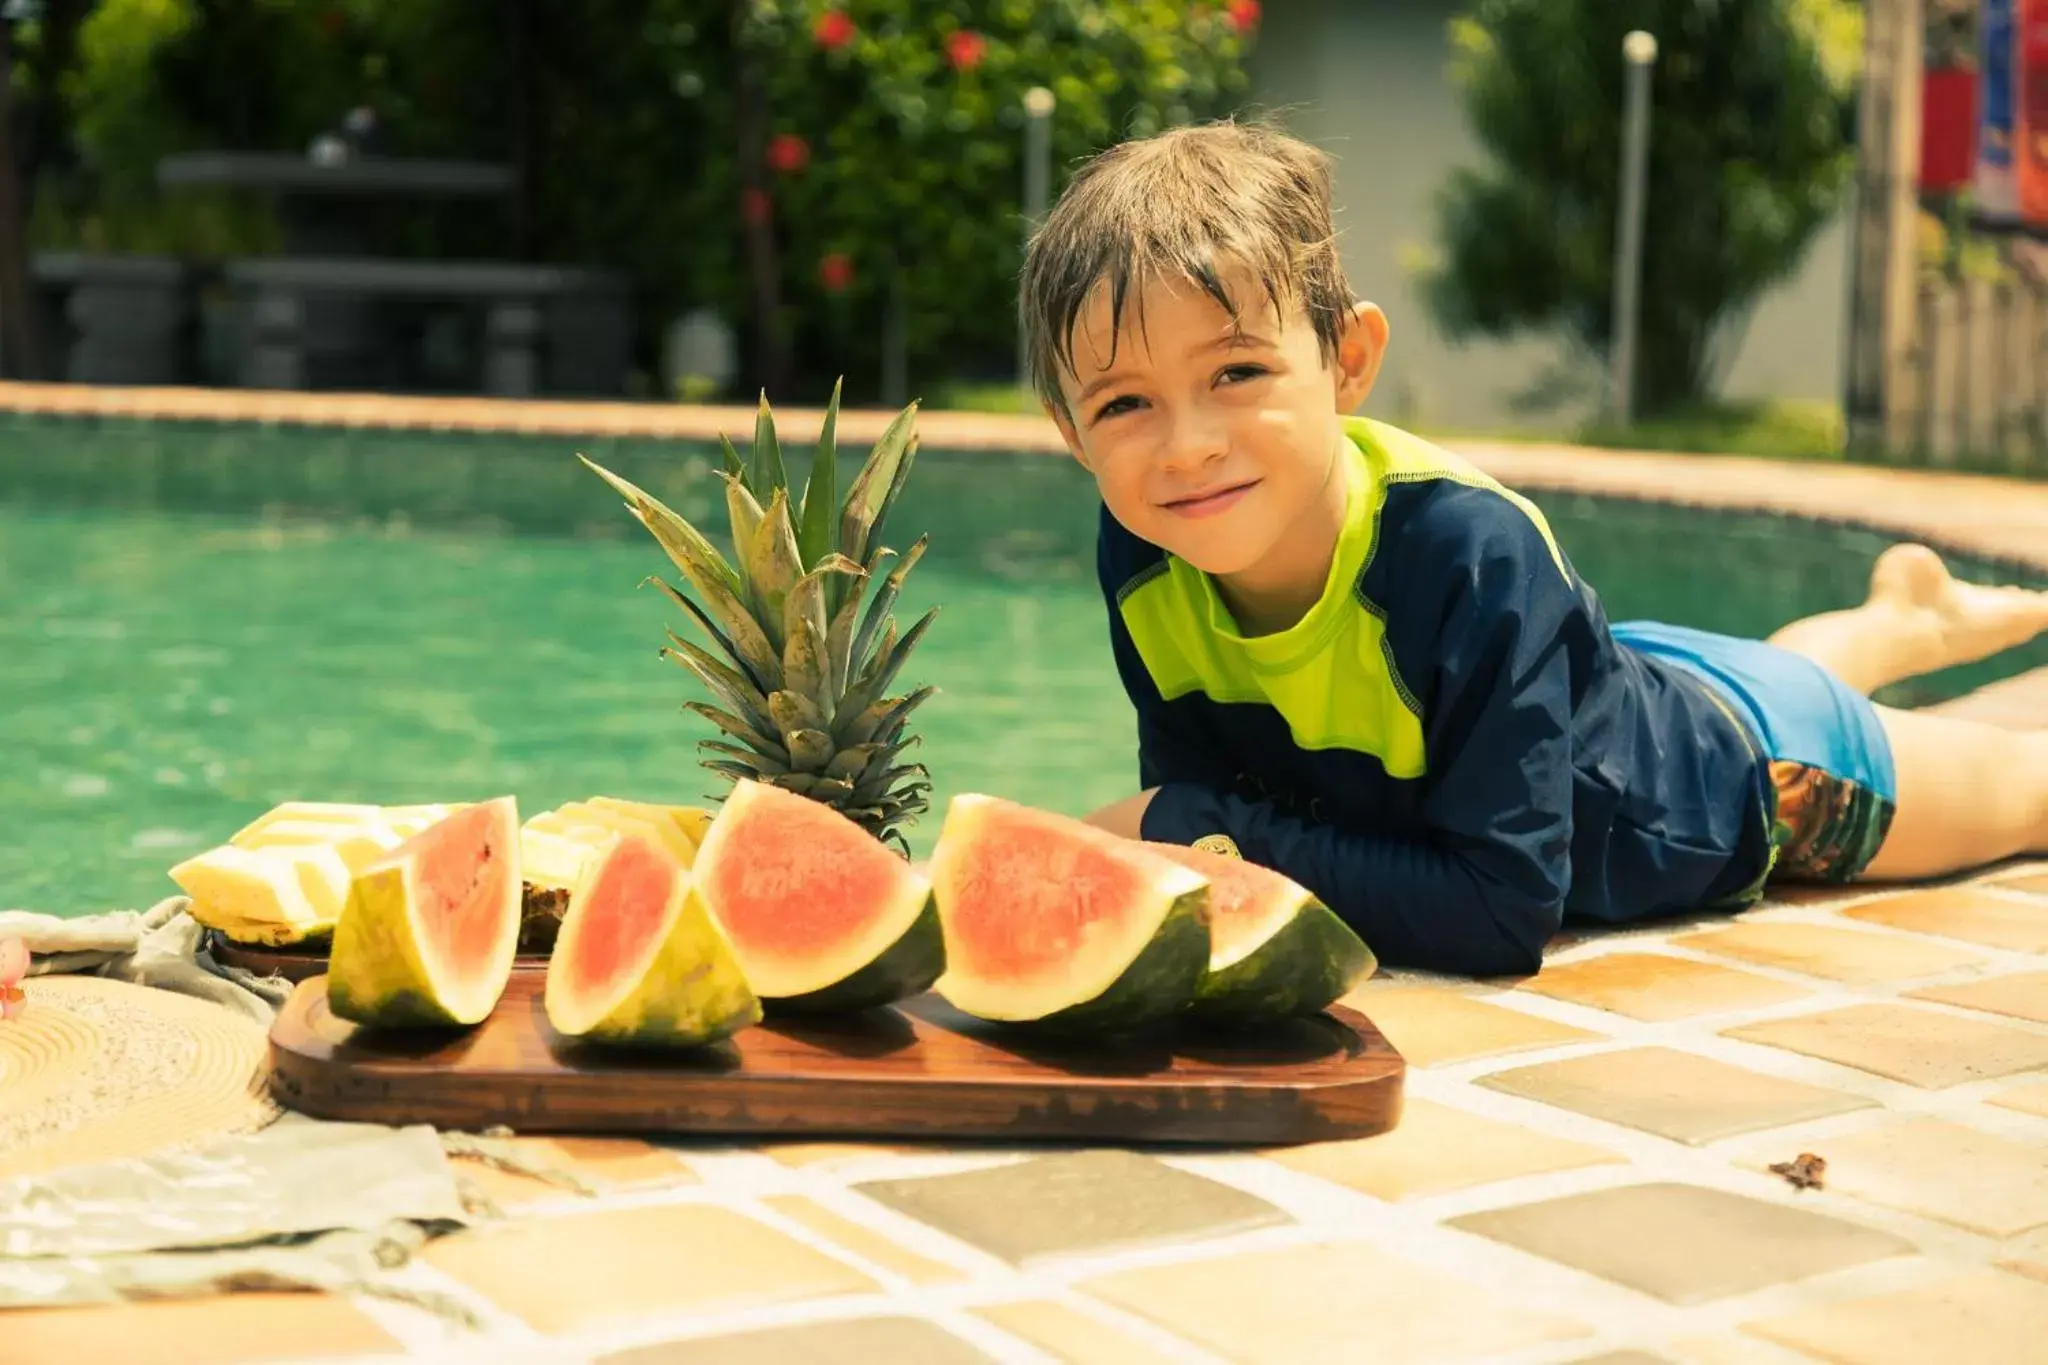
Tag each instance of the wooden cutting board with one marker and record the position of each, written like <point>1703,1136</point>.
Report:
<point>919,1070</point>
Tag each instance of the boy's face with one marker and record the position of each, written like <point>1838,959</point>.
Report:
<point>1216,444</point>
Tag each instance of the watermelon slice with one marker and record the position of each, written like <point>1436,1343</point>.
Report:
<point>1275,951</point>
<point>429,931</point>
<point>639,961</point>
<point>823,915</point>
<point>1054,922</point>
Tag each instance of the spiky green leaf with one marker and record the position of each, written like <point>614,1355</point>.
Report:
<point>761,744</point>
<point>746,646</point>
<point>877,721</point>
<point>880,606</point>
<point>809,750</point>
<point>769,476</point>
<point>889,658</point>
<point>793,711</point>
<point>766,767</point>
<point>867,501</point>
<point>735,467</point>
<point>725,684</point>
<point>814,537</point>
<point>772,568</point>
<point>697,557</point>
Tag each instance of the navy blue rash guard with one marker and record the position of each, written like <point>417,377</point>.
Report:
<point>1451,749</point>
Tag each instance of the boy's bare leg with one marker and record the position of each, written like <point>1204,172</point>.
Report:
<point>1969,795</point>
<point>1918,619</point>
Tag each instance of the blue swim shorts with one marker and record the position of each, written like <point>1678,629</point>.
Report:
<point>1830,763</point>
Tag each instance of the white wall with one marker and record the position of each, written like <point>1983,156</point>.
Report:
<point>1366,80</point>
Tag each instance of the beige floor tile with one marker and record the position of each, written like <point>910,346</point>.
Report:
<point>1069,1335</point>
<point>800,1154</point>
<point>2022,995</point>
<point>2034,883</point>
<point>1858,956</point>
<point>1099,1200</point>
<point>912,1341</point>
<point>1435,1027</point>
<point>1976,1180</point>
<point>225,1330</point>
<point>1673,1094</point>
<point>865,1242</point>
<point>1656,987</point>
<point>1963,912</point>
<point>2028,1256</point>
<point>1982,1319</point>
<point>2027,1099</point>
<point>1330,1302</point>
<point>603,1164</point>
<point>1922,1047</point>
<point>578,1270</point>
<point>1621,1358</point>
<point>1435,1149</point>
<point>1685,1244</point>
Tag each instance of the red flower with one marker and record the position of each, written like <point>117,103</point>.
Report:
<point>755,205</point>
<point>1243,15</point>
<point>965,49</point>
<point>835,272</point>
<point>833,30</point>
<point>788,153</point>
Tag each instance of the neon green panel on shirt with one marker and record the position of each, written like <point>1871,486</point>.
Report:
<point>1330,675</point>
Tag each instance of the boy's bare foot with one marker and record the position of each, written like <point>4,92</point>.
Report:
<point>1961,622</point>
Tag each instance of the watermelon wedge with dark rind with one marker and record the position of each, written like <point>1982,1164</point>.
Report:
<point>429,931</point>
<point>1275,951</point>
<point>824,916</point>
<point>1054,923</point>
<point>639,961</point>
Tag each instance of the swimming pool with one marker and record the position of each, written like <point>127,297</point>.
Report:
<point>199,621</point>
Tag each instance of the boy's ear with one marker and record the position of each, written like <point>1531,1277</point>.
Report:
<point>1060,419</point>
<point>1360,348</point>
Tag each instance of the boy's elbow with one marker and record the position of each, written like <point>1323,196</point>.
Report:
<point>1508,939</point>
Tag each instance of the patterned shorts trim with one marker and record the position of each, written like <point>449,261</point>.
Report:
<point>1827,828</point>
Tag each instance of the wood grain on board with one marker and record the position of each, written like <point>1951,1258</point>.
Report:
<point>919,1070</point>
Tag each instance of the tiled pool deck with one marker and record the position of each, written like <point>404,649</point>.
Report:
<point>1582,1173</point>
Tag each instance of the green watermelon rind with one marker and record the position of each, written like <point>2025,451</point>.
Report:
<point>1304,967</point>
<point>690,994</point>
<point>905,968</point>
<point>378,969</point>
<point>1159,983</point>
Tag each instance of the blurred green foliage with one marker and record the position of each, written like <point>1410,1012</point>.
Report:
<point>900,128</point>
<point>1751,150</point>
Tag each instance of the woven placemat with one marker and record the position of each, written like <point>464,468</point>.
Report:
<point>97,1070</point>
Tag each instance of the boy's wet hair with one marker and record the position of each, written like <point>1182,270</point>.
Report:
<point>1189,202</point>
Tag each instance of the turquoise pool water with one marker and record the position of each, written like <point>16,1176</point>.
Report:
<point>196,623</point>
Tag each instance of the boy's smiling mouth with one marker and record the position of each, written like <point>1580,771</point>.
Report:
<point>1211,502</point>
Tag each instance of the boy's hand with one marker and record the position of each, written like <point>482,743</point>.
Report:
<point>1125,817</point>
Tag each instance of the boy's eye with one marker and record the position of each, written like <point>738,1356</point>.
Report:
<point>1238,374</point>
<point>1121,404</point>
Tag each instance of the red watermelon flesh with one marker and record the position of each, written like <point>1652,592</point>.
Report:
<point>461,876</point>
<point>1247,903</point>
<point>810,899</point>
<point>630,899</point>
<point>1043,912</point>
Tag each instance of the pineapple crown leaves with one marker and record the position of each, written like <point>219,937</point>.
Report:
<point>806,662</point>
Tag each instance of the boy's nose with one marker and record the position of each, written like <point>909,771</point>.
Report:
<point>1195,440</point>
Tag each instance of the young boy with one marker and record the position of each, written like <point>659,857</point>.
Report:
<point>1360,661</point>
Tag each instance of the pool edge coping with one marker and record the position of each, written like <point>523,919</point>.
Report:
<point>1984,515</point>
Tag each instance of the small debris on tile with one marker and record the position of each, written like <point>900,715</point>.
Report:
<point>1804,1172</point>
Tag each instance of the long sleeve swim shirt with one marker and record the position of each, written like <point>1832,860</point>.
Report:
<point>1450,749</point>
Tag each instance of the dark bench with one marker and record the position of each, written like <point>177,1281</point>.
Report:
<point>545,328</point>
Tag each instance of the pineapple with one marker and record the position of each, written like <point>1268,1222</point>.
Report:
<point>805,667</point>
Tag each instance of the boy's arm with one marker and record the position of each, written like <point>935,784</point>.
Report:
<point>1483,891</point>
